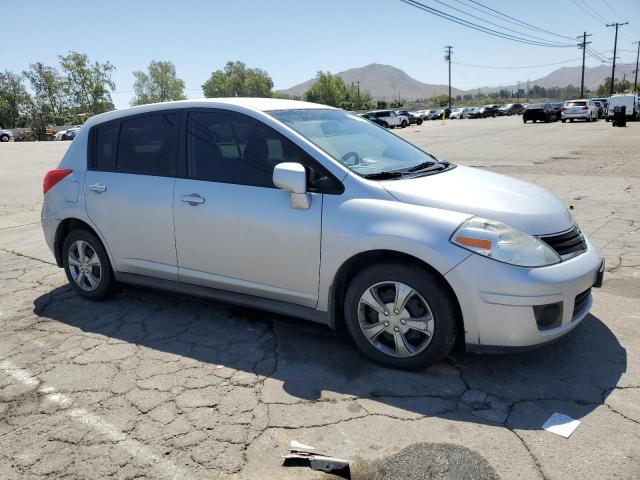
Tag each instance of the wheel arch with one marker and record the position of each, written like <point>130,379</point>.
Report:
<point>67,226</point>
<point>352,266</point>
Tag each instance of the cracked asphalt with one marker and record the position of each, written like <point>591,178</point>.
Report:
<point>153,386</point>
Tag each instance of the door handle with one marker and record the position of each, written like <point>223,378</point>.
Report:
<point>97,187</point>
<point>193,199</point>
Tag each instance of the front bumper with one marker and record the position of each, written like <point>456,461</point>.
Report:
<point>497,300</point>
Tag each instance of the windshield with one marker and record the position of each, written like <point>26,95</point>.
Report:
<point>356,143</point>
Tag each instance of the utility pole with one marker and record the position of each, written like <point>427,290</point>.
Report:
<point>635,82</point>
<point>358,83</point>
<point>447,58</point>
<point>615,48</point>
<point>518,92</point>
<point>583,46</point>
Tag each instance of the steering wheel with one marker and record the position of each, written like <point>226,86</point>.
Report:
<point>356,157</point>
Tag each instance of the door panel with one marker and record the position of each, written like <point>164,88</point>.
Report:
<point>134,214</point>
<point>248,239</point>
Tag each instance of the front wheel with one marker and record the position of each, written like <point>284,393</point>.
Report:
<point>385,124</point>
<point>419,122</point>
<point>400,315</point>
<point>87,266</point>
<point>403,124</point>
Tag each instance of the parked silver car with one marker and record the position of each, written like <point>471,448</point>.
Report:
<point>313,212</point>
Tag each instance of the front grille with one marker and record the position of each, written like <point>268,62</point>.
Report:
<point>566,243</point>
<point>580,301</point>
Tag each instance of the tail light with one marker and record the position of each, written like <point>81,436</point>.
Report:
<point>585,108</point>
<point>52,177</point>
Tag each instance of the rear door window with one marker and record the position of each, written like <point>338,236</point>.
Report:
<point>147,145</point>
<point>105,145</point>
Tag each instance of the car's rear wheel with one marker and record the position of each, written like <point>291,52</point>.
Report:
<point>385,124</point>
<point>87,266</point>
<point>400,315</point>
<point>403,124</point>
<point>4,137</point>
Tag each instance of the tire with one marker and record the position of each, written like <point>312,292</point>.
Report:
<point>563,120</point>
<point>4,138</point>
<point>524,121</point>
<point>91,246</point>
<point>419,122</point>
<point>403,124</point>
<point>509,113</point>
<point>440,311</point>
<point>385,124</point>
<point>571,120</point>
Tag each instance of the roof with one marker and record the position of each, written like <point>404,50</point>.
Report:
<point>237,103</point>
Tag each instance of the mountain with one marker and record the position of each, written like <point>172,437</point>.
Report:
<point>387,83</point>
<point>593,77</point>
<point>384,82</point>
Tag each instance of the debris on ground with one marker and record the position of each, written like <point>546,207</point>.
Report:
<point>561,424</point>
<point>305,455</point>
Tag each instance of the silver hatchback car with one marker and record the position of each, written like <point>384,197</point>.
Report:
<point>309,211</point>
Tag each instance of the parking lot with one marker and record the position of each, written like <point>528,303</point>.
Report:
<point>149,385</point>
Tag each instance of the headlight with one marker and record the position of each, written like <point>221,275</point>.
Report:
<point>503,243</point>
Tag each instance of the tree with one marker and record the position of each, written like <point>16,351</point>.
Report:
<point>619,86</point>
<point>160,85</point>
<point>87,84</point>
<point>236,80</point>
<point>49,100</point>
<point>331,90</point>
<point>14,100</point>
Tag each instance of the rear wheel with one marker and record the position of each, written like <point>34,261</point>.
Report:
<point>403,124</point>
<point>87,266</point>
<point>400,315</point>
<point>385,124</point>
<point>4,137</point>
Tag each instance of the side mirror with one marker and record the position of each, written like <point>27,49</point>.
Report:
<point>292,177</point>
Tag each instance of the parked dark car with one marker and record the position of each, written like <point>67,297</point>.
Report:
<point>488,111</point>
<point>511,109</point>
<point>437,115</point>
<point>413,119</point>
<point>475,113</point>
<point>542,112</point>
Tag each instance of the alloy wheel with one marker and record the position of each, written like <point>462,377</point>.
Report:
<point>84,265</point>
<point>395,319</point>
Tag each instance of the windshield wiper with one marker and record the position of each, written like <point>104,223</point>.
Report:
<point>428,167</point>
<point>382,175</point>
<point>421,166</point>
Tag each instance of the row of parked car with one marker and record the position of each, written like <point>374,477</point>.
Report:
<point>571,110</point>
<point>26,135</point>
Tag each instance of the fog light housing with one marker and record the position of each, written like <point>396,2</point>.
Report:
<point>548,316</point>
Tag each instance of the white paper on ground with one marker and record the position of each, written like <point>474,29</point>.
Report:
<point>561,424</point>
<point>300,446</point>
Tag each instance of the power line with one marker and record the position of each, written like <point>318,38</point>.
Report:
<point>517,67</point>
<point>525,24</point>
<point>611,8</point>
<point>492,23</point>
<point>587,12</point>
<point>475,26</point>
<point>594,11</point>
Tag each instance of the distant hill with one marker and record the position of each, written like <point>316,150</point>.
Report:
<point>384,82</point>
<point>593,77</point>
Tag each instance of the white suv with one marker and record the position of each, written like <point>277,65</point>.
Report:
<point>579,110</point>
<point>310,211</point>
<point>390,119</point>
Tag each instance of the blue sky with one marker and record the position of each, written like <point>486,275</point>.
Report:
<point>293,39</point>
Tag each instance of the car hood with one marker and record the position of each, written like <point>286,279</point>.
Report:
<point>477,192</point>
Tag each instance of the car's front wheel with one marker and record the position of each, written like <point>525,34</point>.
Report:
<point>4,137</point>
<point>87,266</point>
<point>400,315</point>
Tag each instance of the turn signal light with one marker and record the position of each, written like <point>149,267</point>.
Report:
<point>52,177</point>
<point>474,242</point>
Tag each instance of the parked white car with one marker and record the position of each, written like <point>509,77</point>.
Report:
<point>583,109</point>
<point>460,113</point>
<point>310,211</point>
<point>628,100</point>
<point>5,135</point>
<point>390,119</point>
